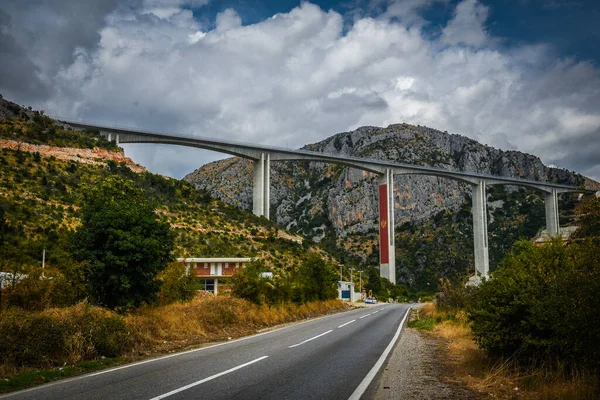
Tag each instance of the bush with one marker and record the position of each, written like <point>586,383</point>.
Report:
<point>110,337</point>
<point>58,336</point>
<point>176,284</point>
<point>314,280</point>
<point>40,289</point>
<point>542,304</point>
<point>453,299</point>
<point>249,284</point>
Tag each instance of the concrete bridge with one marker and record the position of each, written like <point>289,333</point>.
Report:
<point>263,155</point>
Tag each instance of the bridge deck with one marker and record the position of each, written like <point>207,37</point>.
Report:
<point>253,151</point>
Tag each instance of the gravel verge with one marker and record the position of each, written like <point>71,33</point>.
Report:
<point>415,370</point>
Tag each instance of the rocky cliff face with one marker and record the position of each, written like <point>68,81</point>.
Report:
<point>307,197</point>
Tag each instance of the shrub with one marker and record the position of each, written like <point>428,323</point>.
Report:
<point>176,284</point>
<point>249,284</point>
<point>110,336</point>
<point>56,336</point>
<point>542,304</point>
<point>40,289</point>
<point>317,278</point>
<point>453,299</point>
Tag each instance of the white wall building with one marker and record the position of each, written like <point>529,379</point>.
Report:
<point>346,291</point>
<point>210,270</point>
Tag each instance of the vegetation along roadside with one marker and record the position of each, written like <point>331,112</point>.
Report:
<point>531,331</point>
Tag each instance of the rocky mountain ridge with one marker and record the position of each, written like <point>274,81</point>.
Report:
<point>347,198</point>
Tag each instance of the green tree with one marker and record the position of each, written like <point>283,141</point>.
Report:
<point>177,285</point>
<point>587,214</point>
<point>317,280</point>
<point>123,244</point>
<point>249,284</point>
<point>373,281</point>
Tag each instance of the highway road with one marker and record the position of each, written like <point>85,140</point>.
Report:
<point>333,357</point>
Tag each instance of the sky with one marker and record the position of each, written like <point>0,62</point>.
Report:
<point>514,74</point>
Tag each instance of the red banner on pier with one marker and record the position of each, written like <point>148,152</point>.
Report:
<point>384,247</point>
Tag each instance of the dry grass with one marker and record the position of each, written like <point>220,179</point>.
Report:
<point>503,378</point>
<point>213,318</point>
<point>70,335</point>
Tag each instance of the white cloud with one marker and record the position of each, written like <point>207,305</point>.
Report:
<point>299,77</point>
<point>168,8</point>
<point>227,20</point>
<point>406,10</point>
<point>467,26</point>
<point>194,37</point>
<point>404,82</point>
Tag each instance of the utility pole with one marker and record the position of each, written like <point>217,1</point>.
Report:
<point>43,258</point>
<point>341,266</point>
<point>360,275</point>
<point>351,285</point>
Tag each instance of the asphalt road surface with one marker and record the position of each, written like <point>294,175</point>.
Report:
<point>333,357</point>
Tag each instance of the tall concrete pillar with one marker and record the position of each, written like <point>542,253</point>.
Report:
<point>387,250</point>
<point>267,186</point>
<point>552,218</point>
<point>480,237</point>
<point>260,188</point>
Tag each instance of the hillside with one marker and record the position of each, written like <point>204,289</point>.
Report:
<point>45,167</point>
<point>337,206</point>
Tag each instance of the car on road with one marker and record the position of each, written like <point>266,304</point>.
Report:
<point>370,300</point>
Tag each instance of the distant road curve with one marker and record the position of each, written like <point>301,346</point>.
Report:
<point>334,357</point>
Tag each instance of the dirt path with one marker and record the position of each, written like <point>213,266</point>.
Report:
<point>415,370</point>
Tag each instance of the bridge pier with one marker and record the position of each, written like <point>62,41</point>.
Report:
<point>480,236</point>
<point>261,186</point>
<point>552,216</point>
<point>387,250</point>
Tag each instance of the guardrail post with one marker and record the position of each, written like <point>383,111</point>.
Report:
<point>552,216</point>
<point>387,250</point>
<point>480,237</point>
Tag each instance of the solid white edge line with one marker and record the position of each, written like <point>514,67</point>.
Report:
<point>312,338</point>
<point>364,316</point>
<point>210,378</point>
<point>347,323</point>
<point>371,375</point>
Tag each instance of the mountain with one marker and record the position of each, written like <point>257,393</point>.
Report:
<point>337,205</point>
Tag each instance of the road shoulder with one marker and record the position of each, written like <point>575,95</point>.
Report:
<point>416,370</point>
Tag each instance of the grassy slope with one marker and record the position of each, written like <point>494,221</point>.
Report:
<point>40,198</point>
